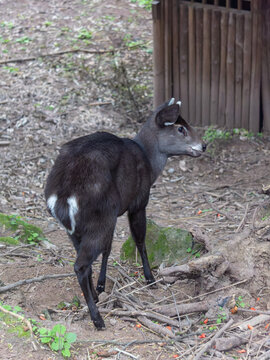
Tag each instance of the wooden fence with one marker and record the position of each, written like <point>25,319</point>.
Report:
<point>215,56</point>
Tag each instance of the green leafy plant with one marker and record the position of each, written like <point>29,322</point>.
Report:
<point>24,40</point>
<point>25,232</point>
<point>240,302</point>
<point>58,339</point>
<point>85,34</point>
<point>222,316</point>
<point>211,134</point>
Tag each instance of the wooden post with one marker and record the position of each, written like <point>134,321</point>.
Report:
<point>183,29</point>
<point>266,65</point>
<point>239,40</point>
<point>206,67</point>
<point>168,48</point>
<point>158,55</point>
<point>222,73</point>
<point>230,72</point>
<point>191,64</point>
<point>215,65</point>
<point>175,51</point>
<point>254,119</point>
<point>199,42</point>
<point>246,72</point>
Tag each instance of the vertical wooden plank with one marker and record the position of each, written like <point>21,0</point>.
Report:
<point>158,56</point>
<point>215,65</point>
<point>254,119</point>
<point>222,73</point>
<point>266,66</point>
<point>168,48</point>
<point>239,40</point>
<point>246,71</point>
<point>175,51</point>
<point>230,70</point>
<point>191,65</point>
<point>206,74</point>
<point>199,52</point>
<point>183,30</point>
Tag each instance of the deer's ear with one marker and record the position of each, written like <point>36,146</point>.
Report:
<point>168,115</point>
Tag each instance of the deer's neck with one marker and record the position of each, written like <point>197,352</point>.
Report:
<point>147,139</point>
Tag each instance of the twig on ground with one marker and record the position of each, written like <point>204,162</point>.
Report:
<point>20,317</point>
<point>218,210</point>
<point>211,342</point>
<point>243,220</point>
<point>202,295</point>
<point>36,279</point>
<point>127,353</point>
<point>68,51</point>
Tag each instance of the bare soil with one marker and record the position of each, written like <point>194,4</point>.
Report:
<point>49,100</point>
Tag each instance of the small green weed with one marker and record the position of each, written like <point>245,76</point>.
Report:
<point>147,4</point>
<point>8,24</point>
<point>212,134</point>
<point>222,316</point>
<point>85,34</point>
<point>28,233</point>
<point>240,302</point>
<point>266,216</point>
<point>48,23</point>
<point>24,40</point>
<point>58,339</point>
<point>11,69</point>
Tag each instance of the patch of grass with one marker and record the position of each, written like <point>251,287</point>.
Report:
<point>85,34</point>
<point>211,134</point>
<point>9,240</point>
<point>24,40</point>
<point>11,69</point>
<point>147,4</point>
<point>28,233</point>
<point>15,326</point>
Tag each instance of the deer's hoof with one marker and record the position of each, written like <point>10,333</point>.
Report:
<point>99,323</point>
<point>100,288</point>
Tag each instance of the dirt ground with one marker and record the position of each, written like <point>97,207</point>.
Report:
<point>46,101</point>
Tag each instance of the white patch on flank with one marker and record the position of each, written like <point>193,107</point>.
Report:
<point>168,123</point>
<point>73,209</point>
<point>171,102</point>
<point>197,147</point>
<point>51,204</point>
<point>179,103</point>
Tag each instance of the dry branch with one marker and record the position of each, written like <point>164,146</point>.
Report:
<point>224,344</point>
<point>29,281</point>
<point>194,266</point>
<point>254,321</point>
<point>136,313</point>
<point>160,330</point>
<point>173,310</point>
<point>212,341</point>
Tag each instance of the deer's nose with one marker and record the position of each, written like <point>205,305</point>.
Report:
<point>204,146</point>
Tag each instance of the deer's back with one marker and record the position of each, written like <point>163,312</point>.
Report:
<point>103,172</point>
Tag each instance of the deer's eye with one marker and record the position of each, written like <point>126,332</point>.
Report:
<point>182,130</point>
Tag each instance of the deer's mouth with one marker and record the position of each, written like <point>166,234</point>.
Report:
<point>196,151</point>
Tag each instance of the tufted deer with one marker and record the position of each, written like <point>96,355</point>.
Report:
<point>98,177</point>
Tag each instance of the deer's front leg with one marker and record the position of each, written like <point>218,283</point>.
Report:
<point>137,223</point>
